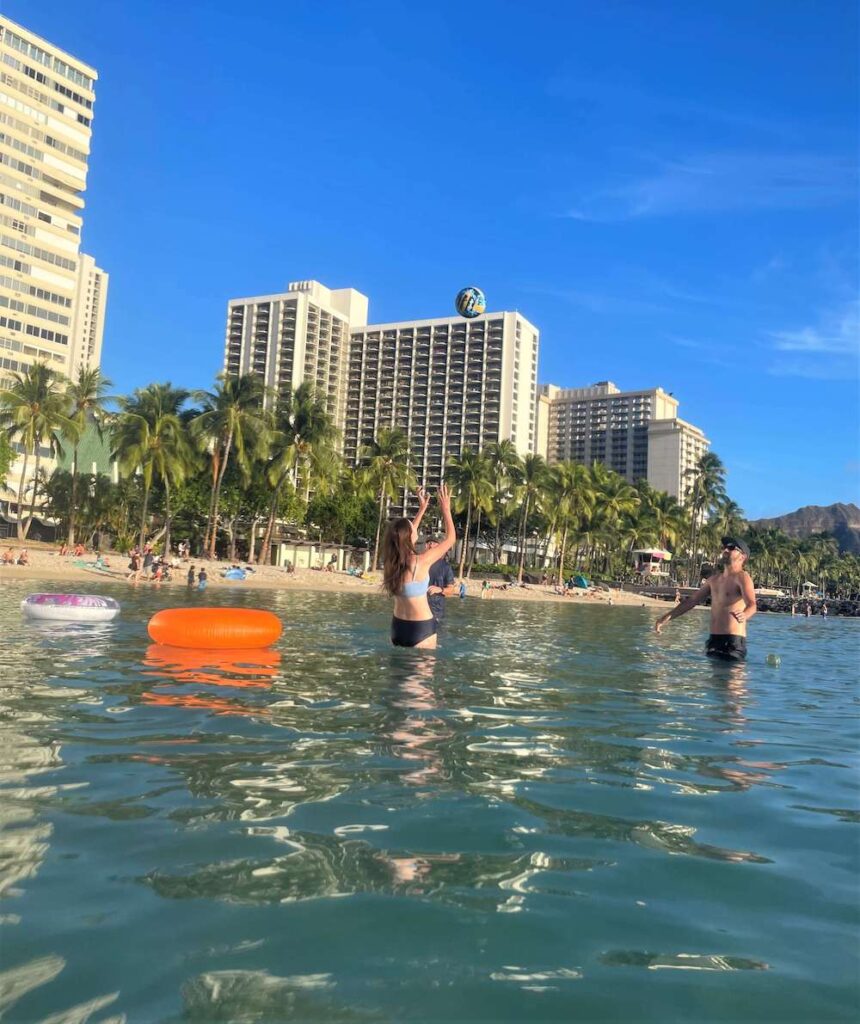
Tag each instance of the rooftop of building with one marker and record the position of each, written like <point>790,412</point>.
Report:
<point>46,44</point>
<point>600,389</point>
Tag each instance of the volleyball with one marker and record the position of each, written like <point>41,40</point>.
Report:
<point>470,302</point>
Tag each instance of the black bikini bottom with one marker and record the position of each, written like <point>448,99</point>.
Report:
<point>407,633</point>
<point>728,646</point>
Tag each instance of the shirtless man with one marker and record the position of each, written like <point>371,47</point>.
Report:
<point>732,604</point>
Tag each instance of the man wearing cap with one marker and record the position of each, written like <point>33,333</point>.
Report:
<point>732,603</point>
<point>441,582</point>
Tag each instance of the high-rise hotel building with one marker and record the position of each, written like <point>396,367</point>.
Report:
<point>447,383</point>
<point>298,335</point>
<point>52,297</point>
<point>636,433</point>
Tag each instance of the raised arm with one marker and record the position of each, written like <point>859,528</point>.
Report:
<point>450,539</point>
<point>423,502</point>
<point>686,605</point>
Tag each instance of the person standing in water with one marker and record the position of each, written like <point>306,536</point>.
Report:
<point>406,573</point>
<point>733,604</point>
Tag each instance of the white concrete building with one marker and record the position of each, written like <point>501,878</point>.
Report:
<point>674,447</point>
<point>90,307</point>
<point>46,110</point>
<point>301,334</point>
<point>447,383</point>
<point>636,433</point>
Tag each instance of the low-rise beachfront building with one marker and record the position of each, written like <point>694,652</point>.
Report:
<point>636,433</point>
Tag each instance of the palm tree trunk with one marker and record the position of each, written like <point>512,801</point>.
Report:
<point>378,528</point>
<point>497,554</point>
<point>166,518</point>
<point>475,545</point>
<point>217,496</point>
<point>465,538</point>
<point>143,517</point>
<point>21,483</point>
<point>215,467</point>
<point>266,547</point>
<point>29,522</point>
<point>70,537</point>
<point>561,557</point>
<point>523,546</point>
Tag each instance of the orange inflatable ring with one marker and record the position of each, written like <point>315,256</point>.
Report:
<point>215,628</point>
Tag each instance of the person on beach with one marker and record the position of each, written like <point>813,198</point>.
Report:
<point>8,557</point>
<point>406,573</point>
<point>24,557</point>
<point>733,604</point>
<point>202,579</point>
<point>190,577</point>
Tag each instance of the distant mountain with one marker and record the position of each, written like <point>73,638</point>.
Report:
<point>843,521</point>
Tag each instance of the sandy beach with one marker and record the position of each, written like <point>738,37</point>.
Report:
<point>46,566</point>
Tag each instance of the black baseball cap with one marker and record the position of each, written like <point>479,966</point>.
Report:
<point>741,545</point>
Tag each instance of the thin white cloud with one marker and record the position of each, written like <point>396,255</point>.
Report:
<point>829,350</point>
<point>723,182</point>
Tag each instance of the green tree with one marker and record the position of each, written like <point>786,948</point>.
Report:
<point>302,450</point>
<point>570,490</point>
<point>504,463</point>
<point>7,457</point>
<point>469,477</point>
<point>531,479</point>
<point>34,412</point>
<point>705,492</point>
<point>386,472</point>
<point>233,425</point>
<point>87,395</point>
<point>149,437</point>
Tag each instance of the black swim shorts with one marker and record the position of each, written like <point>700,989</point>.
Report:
<point>409,633</point>
<point>727,646</point>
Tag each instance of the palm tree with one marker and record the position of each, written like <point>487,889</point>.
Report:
<point>468,476</point>
<point>386,472</point>
<point>573,497</point>
<point>503,461</point>
<point>34,410</point>
<point>615,499</point>
<point>302,447</point>
<point>149,437</point>
<point>707,488</point>
<point>232,423</point>
<point>668,516</point>
<point>531,480</point>
<point>87,397</point>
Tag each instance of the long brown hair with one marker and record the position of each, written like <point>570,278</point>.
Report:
<point>397,549</point>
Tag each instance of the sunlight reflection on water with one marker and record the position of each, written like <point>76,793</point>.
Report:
<point>554,800</point>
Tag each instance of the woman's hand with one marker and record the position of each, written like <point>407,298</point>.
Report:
<point>423,498</point>
<point>444,499</point>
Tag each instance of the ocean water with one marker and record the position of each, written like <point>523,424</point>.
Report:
<point>558,816</point>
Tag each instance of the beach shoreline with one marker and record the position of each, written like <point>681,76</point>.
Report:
<point>46,566</point>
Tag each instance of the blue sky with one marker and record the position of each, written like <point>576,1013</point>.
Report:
<point>668,190</point>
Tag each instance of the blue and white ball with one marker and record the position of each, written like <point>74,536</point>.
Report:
<point>470,302</point>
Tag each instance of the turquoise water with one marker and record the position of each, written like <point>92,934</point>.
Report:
<point>556,817</point>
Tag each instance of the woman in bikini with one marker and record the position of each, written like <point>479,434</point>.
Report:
<point>406,573</point>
